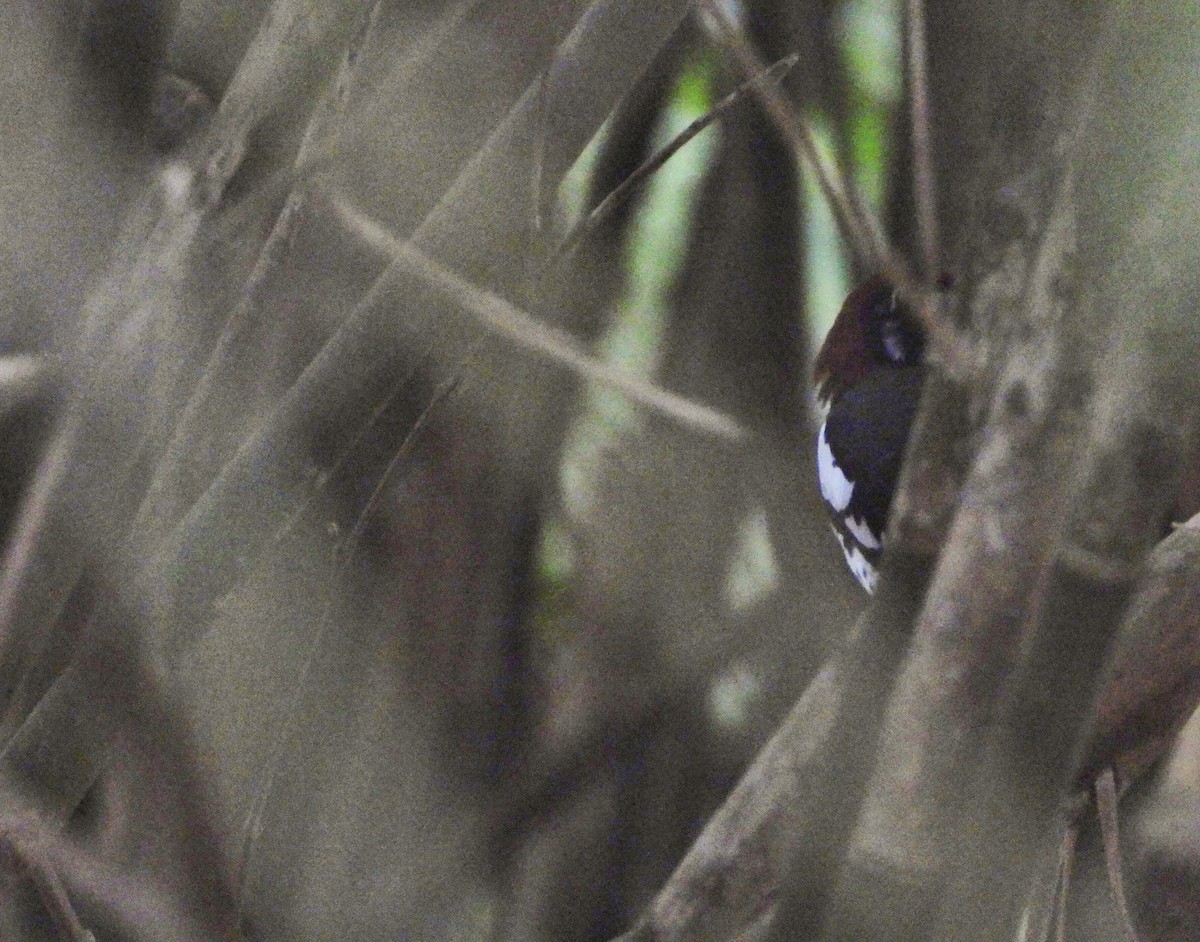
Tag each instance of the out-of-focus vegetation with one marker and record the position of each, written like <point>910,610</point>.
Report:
<point>374,571</point>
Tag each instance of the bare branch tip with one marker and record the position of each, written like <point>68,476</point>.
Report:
<point>621,194</point>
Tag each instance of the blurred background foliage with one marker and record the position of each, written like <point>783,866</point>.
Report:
<point>330,612</point>
<point>518,635</point>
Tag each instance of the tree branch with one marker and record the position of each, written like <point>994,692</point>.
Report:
<point>731,876</point>
<point>503,318</point>
<point>619,196</point>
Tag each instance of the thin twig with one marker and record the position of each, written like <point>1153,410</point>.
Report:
<point>120,316</point>
<point>343,458</point>
<point>440,395</point>
<point>854,219</point>
<point>343,561</point>
<point>1066,865</point>
<point>501,317</point>
<point>925,194</point>
<point>344,131</point>
<point>1110,837</point>
<point>328,140</point>
<point>282,50</point>
<point>619,196</point>
<point>168,495</point>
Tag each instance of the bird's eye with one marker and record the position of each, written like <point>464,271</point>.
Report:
<point>891,338</point>
<point>896,337</point>
<point>874,329</point>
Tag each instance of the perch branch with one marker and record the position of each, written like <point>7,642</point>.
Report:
<point>965,640</point>
<point>731,876</point>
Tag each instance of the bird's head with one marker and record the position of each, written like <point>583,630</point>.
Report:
<point>874,330</point>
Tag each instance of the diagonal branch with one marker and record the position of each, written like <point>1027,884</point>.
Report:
<point>89,466</point>
<point>618,197</point>
<point>194,451</point>
<point>856,221</point>
<point>854,218</point>
<point>730,878</point>
<point>55,755</point>
<point>499,316</point>
<point>966,640</point>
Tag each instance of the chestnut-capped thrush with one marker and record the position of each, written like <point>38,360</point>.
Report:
<point>868,375</point>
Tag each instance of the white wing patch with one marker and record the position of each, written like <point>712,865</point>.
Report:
<point>863,569</point>
<point>862,533</point>
<point>835,487</point>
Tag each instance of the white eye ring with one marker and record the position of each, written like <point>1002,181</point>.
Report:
<point>893,344</point>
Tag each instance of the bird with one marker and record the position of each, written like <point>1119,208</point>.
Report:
<point>868,375</point>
